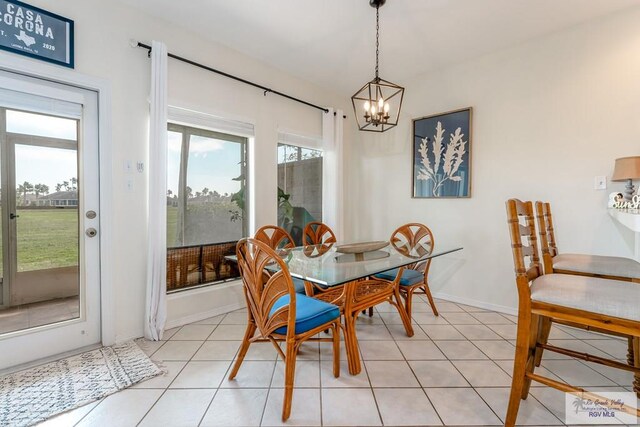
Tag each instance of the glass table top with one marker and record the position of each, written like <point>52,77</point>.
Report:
<point>323,265</point>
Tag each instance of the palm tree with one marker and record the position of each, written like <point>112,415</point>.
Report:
<point>41,189</point>
<point>20,190</point>
<point>27,187</point>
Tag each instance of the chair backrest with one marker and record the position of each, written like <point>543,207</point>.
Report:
<point>522,226</point>
<point>275,237</point>
<point>262,288</point>
<point>545,229</point>
<point>414,240</point>
<point>547,236</point>
<point>316,233</point>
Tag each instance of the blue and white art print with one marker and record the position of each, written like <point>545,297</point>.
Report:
<point>442,155</point>
<point>34,32</point>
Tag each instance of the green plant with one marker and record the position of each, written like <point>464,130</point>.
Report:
<point>285,208</point>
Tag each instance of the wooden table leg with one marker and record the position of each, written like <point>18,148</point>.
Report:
<point>404,313</point>
<point>636,356</point>
<point>351,343</point>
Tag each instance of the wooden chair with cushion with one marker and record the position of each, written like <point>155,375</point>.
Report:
<point>317,233</point>
<point>605,267</point>
<point>274,236</point>
<point>609,305</point>
<point>413,240</point>
<point>321,236</point>
<point>277,238</point>
<point>276,313</point>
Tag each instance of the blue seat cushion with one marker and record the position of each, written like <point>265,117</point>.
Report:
<point>299,285</point>
<point>310,313</point>
<point>409,277</point>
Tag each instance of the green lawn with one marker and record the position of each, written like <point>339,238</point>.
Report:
<point>172,223</point>
<point>47,238</point>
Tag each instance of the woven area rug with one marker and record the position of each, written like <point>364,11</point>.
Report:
<point>33,395</point>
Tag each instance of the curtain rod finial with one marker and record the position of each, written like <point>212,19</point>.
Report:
<point>133,42</point>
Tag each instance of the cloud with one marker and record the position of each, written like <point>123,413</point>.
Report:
<point>197,146</point>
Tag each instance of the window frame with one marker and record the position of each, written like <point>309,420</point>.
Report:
<point>186,131</point>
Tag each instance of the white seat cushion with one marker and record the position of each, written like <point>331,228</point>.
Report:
<point>610,297</point>
<point>595,264</point>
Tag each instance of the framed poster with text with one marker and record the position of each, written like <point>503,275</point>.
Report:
<point>33,32</point>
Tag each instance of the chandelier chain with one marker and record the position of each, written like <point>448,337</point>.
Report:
<point>377,37</point>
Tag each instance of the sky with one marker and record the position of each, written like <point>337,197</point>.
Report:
<point>212,163</point>
<point>43,165</point>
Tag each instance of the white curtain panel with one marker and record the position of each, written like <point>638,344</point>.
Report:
<point>156,310</point>
<point>332,171</point>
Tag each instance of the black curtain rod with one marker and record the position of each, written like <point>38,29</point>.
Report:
<point>239,79</point>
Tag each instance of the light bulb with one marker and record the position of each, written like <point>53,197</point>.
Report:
<point>380,103</point>
<point>386,107</point>
<point>367,106</point>
<point>373,110</point>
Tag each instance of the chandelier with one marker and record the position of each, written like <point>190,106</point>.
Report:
<point>377,104</point>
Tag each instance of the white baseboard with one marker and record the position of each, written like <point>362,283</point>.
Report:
<point>196,317</point>
<point>475,303</point>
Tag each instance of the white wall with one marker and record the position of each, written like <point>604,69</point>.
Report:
<point>103,30</point>
<point>549,115</point>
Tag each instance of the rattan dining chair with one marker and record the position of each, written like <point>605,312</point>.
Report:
<point>413,240</point>
<point>317,233</point>
<point>277,238</point>
<point>278,314</point>
<point>605,267</point>
<point>320,234</point>
<point>608,305</point>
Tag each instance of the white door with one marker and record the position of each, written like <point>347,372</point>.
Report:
<point>49,210</point>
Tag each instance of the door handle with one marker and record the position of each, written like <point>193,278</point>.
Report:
<point>13,216</point>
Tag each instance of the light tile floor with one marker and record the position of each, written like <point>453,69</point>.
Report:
<point>456,370</point>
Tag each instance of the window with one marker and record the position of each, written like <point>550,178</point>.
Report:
<point>206,214</point>
<point>299,188</point>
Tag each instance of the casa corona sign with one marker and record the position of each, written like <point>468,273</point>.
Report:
<point>37,33</point>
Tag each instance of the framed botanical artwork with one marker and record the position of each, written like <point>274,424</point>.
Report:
<point>442,155</point>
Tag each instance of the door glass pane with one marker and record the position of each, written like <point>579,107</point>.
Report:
<point>299,188</point>
<point>43,221</point>
<point>41,125</point>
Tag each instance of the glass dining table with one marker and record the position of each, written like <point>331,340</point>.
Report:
<point>325,267</point>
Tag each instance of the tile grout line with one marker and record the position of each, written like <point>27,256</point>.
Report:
<point>179,372</point>
<point>413,372</point>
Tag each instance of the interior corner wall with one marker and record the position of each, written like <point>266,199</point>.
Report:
<point>549,116</point>
<point>103,31</point>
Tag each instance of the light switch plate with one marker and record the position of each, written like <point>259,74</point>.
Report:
<point>600,183</point>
